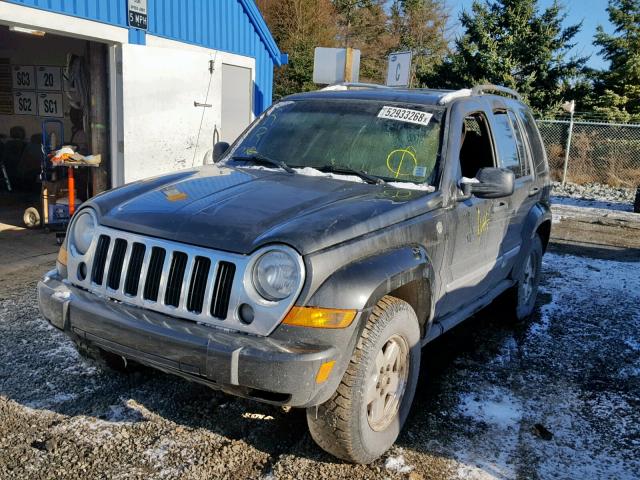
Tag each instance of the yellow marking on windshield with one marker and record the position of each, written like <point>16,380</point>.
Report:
<point>396,159</point>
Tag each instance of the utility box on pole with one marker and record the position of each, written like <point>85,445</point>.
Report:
<point>336,65</point>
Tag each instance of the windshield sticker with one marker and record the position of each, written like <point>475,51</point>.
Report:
<point>405,115</point>
<point>420,171</point>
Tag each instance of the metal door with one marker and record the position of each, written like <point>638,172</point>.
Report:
<point>236,101</point>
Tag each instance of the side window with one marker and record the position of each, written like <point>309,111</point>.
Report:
<point>506,143</point>
<point>537,148</point>
<point>523,150</point>
<point>476,151</point>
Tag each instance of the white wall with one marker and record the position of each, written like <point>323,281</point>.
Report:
<point>160,82</point>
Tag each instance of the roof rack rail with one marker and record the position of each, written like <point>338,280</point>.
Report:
<point>486,88</point>
<point>449,96</point>
<point>352,86</point>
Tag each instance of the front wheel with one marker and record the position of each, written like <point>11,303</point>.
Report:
<point>364,416</point>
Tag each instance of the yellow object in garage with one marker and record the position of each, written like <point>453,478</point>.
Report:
<point>62,256</point>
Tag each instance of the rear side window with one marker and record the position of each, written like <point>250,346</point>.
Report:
<point>506,142</point>
<point>537,147</point>
<point>523,151</point>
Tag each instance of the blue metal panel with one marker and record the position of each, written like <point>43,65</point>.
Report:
<point>234,26</point>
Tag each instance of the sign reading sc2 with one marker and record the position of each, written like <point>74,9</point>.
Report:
<point>137,13</point>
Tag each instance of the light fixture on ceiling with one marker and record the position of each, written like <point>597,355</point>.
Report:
<point>30,31</point>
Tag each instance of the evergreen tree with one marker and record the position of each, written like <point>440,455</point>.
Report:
<point>298,26</point>
<point>513,43</point>
<point>620,85</point>
<point>422,27</point>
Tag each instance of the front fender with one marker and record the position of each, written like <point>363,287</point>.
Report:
<point>361,284</point>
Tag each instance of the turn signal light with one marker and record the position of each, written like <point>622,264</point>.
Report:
<point>316,317</point>
<point>324,371</point>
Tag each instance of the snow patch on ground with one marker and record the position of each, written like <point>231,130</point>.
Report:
<point>397,464</point>
<point>581,202</point>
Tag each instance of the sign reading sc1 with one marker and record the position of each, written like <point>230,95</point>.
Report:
<point>137,14</point>
<point>399,69</point>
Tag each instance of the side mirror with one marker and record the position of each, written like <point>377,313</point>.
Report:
<point>490,183</point>
<point>219,150</point>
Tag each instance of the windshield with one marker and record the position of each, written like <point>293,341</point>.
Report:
<point>383,139</point>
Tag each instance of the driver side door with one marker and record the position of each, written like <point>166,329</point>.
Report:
<point>474,252</point>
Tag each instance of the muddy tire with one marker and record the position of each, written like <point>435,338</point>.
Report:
<point>365,415</point>
<point>522,297</point>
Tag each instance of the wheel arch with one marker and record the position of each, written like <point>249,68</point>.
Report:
<point>405,272</point>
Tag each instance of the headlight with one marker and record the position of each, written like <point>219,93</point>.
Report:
<point>84,228</point>
<point>276,275</point>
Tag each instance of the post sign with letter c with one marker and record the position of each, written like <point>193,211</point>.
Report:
<point>399,69</point>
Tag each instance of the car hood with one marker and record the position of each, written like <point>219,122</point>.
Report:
<point>241,209</point>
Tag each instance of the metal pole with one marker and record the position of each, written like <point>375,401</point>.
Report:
<point>567,150</point>
<point>99,115</point>
<point>348,65</point>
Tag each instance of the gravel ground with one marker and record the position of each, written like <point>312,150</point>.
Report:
<point>594,195</point>
<point>557,396</point>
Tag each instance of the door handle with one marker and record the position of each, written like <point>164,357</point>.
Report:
<point>533,191</point>
<point>502,205</point>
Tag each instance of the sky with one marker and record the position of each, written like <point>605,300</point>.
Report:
<point>591,12</point>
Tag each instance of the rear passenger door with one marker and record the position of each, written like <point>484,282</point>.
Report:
<point>515,155</point>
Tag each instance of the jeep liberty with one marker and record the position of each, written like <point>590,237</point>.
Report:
<point>344,230</point>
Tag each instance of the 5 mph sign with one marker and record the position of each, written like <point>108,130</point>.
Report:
<point>399,69</point>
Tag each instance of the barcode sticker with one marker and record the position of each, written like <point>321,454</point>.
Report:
<point>405,115</point>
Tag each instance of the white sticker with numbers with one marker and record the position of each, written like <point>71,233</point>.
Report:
<point>49,78</point>
<point>50,105</point>
<point>405,115</point>
<point>24,103</point>
<point>24,77</point>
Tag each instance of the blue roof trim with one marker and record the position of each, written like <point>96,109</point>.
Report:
<point>261,27</point>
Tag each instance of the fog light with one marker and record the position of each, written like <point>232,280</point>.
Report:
<point>246,313</point>
<point>82,271</point>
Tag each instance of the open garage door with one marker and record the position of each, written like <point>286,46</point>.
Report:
<point>163,130</point>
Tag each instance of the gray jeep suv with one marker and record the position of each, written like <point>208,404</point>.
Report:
<point>309,264</point>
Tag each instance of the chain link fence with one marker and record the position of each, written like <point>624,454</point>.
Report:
<point>607,153</point>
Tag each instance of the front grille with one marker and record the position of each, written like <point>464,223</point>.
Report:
<point>178,280</point>
<point>162,277</point>
<point>222,289</point>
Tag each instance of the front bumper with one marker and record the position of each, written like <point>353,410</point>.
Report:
<point>279,369</point>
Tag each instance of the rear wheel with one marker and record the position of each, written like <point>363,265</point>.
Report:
<point>525,291</point>
<point>364,416</point>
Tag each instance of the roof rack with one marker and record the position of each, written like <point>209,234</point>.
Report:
<point>486,88</point>
<point>352,86</point>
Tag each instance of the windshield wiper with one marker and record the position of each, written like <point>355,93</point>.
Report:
<point>346,170</point>
<point>259,158</point>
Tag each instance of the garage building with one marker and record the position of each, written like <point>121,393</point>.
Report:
<point>146,84</point>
